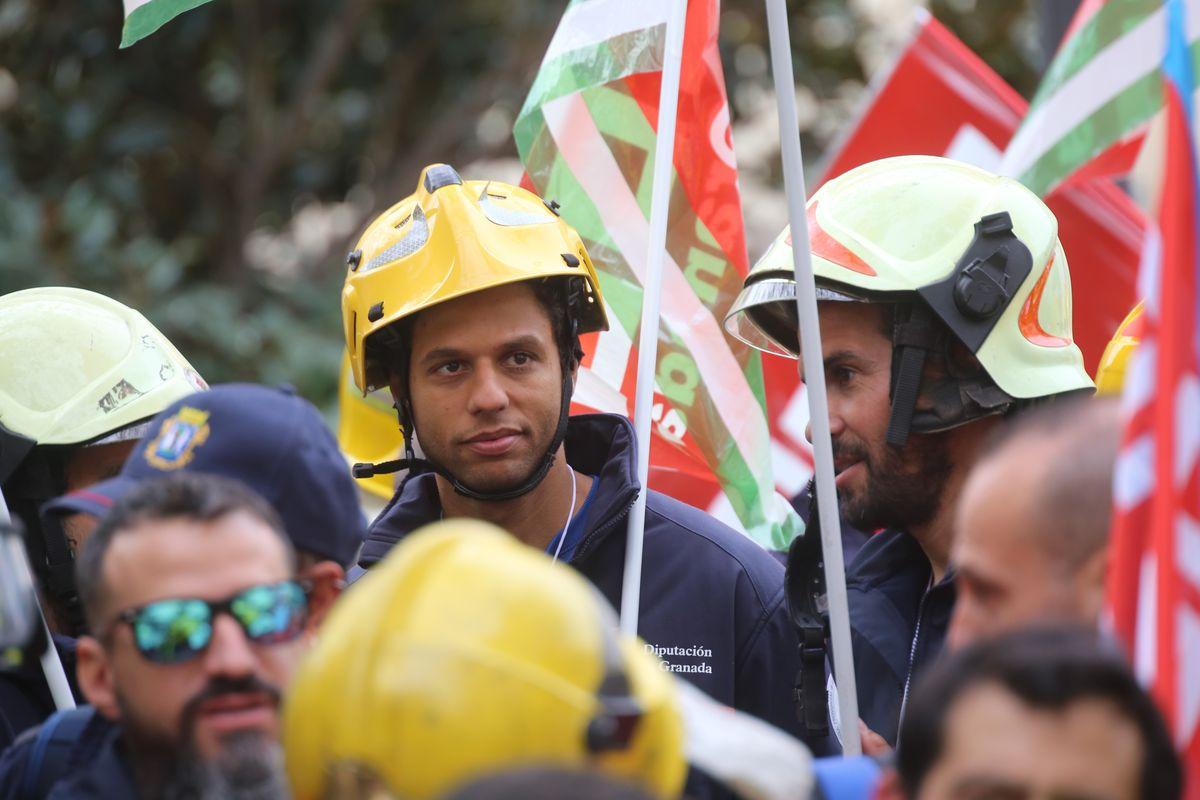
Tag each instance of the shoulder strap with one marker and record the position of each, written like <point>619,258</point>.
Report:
<point>51,750</point>
<point>804,591</point>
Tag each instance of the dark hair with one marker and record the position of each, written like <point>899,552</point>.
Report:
<point>1046,668</point>
<point>548,783</point>
<point>554,296</point>
<point>197,496</point>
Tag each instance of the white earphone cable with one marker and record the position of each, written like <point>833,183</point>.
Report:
<point>570,513</point>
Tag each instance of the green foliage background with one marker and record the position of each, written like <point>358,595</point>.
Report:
<point>214,174</point>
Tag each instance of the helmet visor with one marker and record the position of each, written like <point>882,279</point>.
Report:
<point>764,315</point>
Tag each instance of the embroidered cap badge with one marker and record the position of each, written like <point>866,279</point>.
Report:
<point>177,439</point>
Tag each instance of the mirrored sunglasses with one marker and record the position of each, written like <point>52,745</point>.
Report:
<point>178,629</point>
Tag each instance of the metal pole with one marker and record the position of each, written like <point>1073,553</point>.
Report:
<point>660,201</point>
<point>52,668</point>
<point>813,375</point>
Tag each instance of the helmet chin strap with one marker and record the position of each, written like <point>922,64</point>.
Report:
<point>913,338</point>
<point>417,466</point>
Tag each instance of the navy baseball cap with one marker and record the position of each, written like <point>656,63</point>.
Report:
<point>268,438</point>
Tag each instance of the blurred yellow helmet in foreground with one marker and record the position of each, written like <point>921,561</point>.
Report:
<point>1110,374</point>
<point>465,653</point>
<point>449,239</point>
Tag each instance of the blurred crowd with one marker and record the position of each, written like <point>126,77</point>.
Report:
<point>228,624</point>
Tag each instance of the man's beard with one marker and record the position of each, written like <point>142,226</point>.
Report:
<point>902,488</point>
<point>249,766</point>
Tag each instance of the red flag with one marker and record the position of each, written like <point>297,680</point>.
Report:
<point>587,136</point>
<point>1154,582</point>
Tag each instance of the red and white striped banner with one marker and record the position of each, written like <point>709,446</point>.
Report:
<point>1154,580</point>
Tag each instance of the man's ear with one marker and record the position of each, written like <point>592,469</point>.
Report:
<point>93,671</point>
<point>327,579</point>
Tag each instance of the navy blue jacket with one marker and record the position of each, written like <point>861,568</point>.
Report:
<point>712,600</point>
<point>24,702</point>
<point>25,698</point>
<point>33,764</point>
<point>107,774</point>
<point>852,538</point>
<point>897,624</point>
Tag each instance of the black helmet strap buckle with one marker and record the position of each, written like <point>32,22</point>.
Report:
<point>969,302</point>
<point>620,713</point>
<point>987,276</point>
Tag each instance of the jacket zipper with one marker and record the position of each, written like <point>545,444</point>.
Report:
<point>584,546</point>
<point>912,655</point>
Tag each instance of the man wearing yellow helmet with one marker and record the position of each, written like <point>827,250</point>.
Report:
<point>467,300</point>
<point>80,375</point>
<point>944,306</point>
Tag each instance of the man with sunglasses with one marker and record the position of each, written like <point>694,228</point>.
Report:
<point>269,439</point>
<point>189,588</point>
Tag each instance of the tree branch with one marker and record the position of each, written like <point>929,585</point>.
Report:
<point>270,151</point>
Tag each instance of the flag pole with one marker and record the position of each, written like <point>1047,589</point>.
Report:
<point>52,668</point>
<point>814,377</point>
<point>647,364</point>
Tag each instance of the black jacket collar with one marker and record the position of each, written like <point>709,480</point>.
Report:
<point>894,562</point>
<point>601,445</point>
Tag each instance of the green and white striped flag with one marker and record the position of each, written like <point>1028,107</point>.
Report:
<point>586,136</point>
<point>1098,95</point>
<point>144,17</point>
